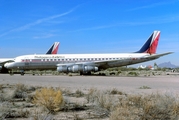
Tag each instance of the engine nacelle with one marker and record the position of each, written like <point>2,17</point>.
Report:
<point>90,68</point>
<point>77,68</point>
<point>63,68</point>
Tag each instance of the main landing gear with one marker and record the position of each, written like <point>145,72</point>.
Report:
<point>87,73</point>
<point>11,72</point>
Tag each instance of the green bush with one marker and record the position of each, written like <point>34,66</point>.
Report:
<point>133,74</point>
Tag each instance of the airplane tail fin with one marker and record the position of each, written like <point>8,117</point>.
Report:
<point>53,49</point>
<point>151,44</point>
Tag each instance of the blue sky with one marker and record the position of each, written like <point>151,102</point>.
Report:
<point>88,26</point>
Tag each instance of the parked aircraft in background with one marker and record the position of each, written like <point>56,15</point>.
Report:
<point>53,50</point>
<point>86,63</point>
<point>142,67</point>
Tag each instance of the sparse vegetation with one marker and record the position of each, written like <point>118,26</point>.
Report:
<point>111,104</point>
<point>115,91</point>
<point>79,93</point>
<point>20,91</point>
<point>144,87</point>
<point>149,107</point>
<point>50,98</point>
<point>132,73</point>
<point>39,115</point>
<point>1,86</point>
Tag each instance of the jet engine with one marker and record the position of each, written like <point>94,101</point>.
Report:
<point>62,68</point>
<point>77,68</point>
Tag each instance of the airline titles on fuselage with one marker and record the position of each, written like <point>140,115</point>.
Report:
<point>42,57</point>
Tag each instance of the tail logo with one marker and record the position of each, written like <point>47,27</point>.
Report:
<point>154,43</point>
<point>151,44</point>
<point>54,48</point>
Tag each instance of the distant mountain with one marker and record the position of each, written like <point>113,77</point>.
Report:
<point>167,65</point>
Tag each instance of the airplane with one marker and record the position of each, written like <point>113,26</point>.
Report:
<point>142,67</point>
<point>53,50</point>
<point>87,63</point>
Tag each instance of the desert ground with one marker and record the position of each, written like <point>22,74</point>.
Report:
<point>90,97</point>
<point>126,84</point>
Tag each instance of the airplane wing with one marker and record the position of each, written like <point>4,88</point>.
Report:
<point>6,61</point>
<point>101,64</point>
<point>111,63</point>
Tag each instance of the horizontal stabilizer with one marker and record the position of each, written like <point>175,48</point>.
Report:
<point>155,56</point>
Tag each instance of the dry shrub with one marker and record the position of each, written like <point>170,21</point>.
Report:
<point>121,113</point>
<point>21,87</point>
<point>149,107</point>
<point>104,100</point>
<point>101,98</point>
<point>22,113</point>
<point>79,93</point>
<point>69,106</point>
<point>135,100</point>
<point>115,91</point>
<point>20,91</point>
<point>5,110</point>
<point>50,98</point>
<point>144,87</point>
<point>162,106</point>
<point>66,92</point>
<point>1,86</point>
<point>91,95</point>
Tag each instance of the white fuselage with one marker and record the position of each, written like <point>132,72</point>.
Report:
<point>103,61</point>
